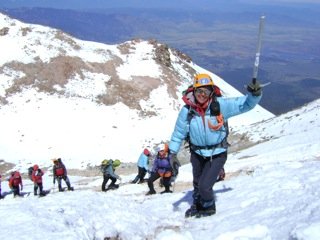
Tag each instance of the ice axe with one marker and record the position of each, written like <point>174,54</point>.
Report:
<point>258,53</point>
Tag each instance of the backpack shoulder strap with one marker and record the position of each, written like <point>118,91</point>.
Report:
<point>214,107</point>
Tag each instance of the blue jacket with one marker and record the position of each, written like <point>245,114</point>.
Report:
<point>143,161</point>
<point>108,170</point>
<point>197,128</point>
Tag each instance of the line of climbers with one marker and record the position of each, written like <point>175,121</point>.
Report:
<point>162,168</point>
<point>35,174</point>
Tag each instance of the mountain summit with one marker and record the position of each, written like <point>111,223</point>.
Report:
<point>86,101</point>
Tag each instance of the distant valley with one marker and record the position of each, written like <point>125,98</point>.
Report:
<point>221,41</point>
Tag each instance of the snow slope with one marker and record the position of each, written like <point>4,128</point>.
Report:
<point>271,192</point>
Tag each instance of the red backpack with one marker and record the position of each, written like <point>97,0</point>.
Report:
<point>16,179</point>
<point>59,170</point>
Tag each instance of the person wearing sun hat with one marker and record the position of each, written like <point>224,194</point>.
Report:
<point>206,132</point>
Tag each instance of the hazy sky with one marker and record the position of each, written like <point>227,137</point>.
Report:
<point>76,4</point>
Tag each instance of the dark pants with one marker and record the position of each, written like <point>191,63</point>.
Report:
<point>141,174</point>
<point>105,181</point>
<point>16,190</point>
<point>35,188</point>
<point>66,179</point>
<point>154,176</point>
<point>205,172</point>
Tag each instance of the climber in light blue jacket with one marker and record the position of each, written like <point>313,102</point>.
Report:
<point>202,121</point>
<point>143,166</point>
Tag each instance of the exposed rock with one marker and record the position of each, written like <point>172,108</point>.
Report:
<point>163,55</point>
<point>4,31</point>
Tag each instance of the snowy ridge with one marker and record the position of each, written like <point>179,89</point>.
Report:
<point>28,43</point>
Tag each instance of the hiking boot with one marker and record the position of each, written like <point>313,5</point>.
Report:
<point>70,188</point>
<point>151,192</point>
<point>135,180</point>
<point>205,212</point>
<point>166,191</point>
<point>42,194</point>
<point>113,186</point>
<point>192,211</point>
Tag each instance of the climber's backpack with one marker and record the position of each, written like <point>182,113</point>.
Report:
<point>106,162</point>
<point>30,170</point>
<point>16,178</point>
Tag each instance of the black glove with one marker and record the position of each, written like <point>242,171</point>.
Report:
<point>175,164</point>
<point>255,88</point>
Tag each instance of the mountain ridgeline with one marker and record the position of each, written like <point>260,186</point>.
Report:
<point>217,39</point>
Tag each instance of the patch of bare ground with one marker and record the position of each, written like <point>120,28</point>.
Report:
<point>5,167</point>
<point>45,76</point>
<point>239,142</point>
<point>4,31</point>
<point>230,175</point>
<point>123,169</point>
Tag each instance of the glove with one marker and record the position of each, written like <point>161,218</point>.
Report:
<point>54,180</point>
<point>175,164</point>
<point>254,88</point>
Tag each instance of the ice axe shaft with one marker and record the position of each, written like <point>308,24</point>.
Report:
<point>257,59</point>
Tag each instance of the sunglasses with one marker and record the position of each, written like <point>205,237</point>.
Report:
<point>203,91</point>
